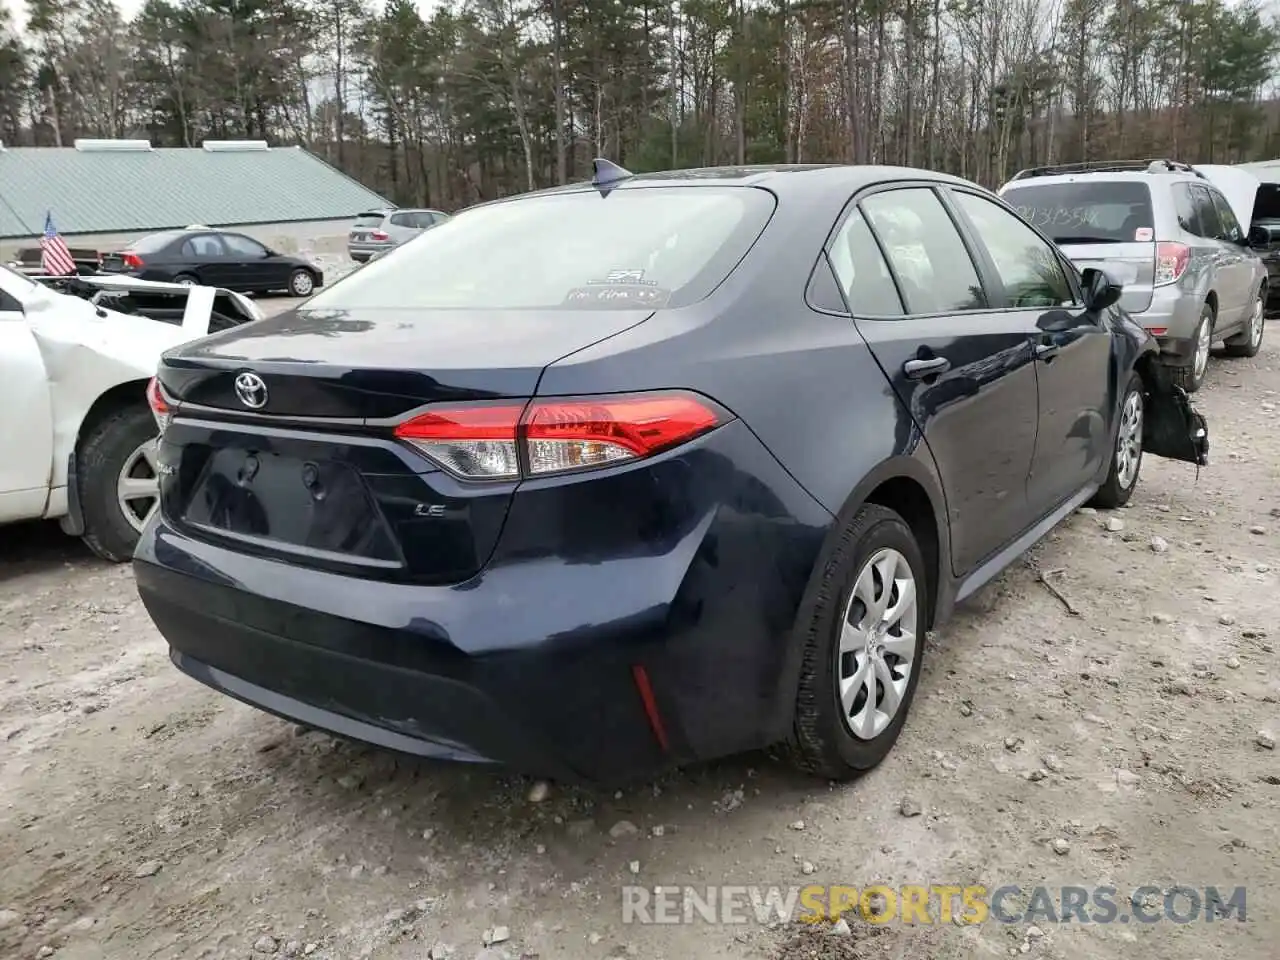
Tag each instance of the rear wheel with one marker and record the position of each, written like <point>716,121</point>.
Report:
<point>1191,377</point>
<point>119,487</point>
<point>187,280</point>
<point>301,283</point>
<point>863,647</point>
<point>1249,342</point>
<point>1126,452</point>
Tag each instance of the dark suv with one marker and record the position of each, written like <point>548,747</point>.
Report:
<point>642,470</point>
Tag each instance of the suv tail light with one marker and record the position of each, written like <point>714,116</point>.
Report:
<point>1171,262</point>
<point>505,441</point>
<point>379,236</point>
<point>131,260</point>
<point>159,404</point>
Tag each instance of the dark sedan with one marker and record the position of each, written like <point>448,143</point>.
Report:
<point>636,472</point>
<point>215,258</point>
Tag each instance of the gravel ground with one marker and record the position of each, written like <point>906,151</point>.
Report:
<point>142,816</point>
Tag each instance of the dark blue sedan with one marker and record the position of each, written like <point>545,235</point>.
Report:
<point>636,472</point>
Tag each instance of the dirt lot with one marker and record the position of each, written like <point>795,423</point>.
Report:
<point>142,816</point>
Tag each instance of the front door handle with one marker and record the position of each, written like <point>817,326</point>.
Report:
<point>1046,351</point>
<point>919,369</point>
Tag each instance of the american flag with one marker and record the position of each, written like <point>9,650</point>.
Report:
<point>55,258</point>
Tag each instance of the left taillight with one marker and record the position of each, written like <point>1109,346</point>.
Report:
<point>159,405</point>
<point>506,441</point>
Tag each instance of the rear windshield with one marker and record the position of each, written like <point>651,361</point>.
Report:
<point>633,247</point>
<point>369,219</point>
<point>153,243</point>
<point>1086,211</point>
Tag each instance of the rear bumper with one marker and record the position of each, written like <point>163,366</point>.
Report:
<point>363,251</point>
<point>1176,313</point>
<point>532,662</point>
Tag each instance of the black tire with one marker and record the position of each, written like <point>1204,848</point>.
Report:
<point>187,278</point>
<point>821,742</point>
<point>1243,344</point>
<point>302,283</point>
<point>1114,492</point>
<point>102,455</point>
<point>1187,377</point>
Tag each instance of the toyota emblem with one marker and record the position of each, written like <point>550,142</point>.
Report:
<point>251,390</point>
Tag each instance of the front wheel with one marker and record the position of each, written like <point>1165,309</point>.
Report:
<point>301,283</point>
<point>118,485</point>
<point>1126,452</point>
<point>863,647</point>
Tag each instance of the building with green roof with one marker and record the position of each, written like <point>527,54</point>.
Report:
<point>105,193</point>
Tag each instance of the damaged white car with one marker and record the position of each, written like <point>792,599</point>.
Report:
<point>76,432</point>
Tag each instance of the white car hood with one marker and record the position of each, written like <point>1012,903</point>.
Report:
<point>1240,187</point>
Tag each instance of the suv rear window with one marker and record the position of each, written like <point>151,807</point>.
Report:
<point>369,220</point>
<point>1085,211</point>
<point>635,247</point>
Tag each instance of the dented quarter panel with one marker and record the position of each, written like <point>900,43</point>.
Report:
<point>89,349</point>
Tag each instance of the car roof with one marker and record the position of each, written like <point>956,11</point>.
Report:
<point>782,179</point>
<point>1109,176</point>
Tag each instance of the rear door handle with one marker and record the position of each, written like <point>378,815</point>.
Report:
<point>919,369</point>
<point>1046,351</point>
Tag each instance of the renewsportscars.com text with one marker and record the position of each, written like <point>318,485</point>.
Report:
<point>932,904</point>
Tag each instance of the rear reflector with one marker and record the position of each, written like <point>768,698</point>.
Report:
<point>1171,262</point>
<point>1157,331</point>
<point>552,436</point>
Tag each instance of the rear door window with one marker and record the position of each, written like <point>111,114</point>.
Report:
<point>635,247</point>
<point>1206,212</point>
<point>925,249</point>
<point>202,246</point>
<point>1085,211</point>
<point>404,219</point>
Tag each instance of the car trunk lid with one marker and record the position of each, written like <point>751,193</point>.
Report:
<point>305,468</point>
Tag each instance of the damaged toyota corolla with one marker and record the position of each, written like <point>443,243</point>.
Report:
<point>645,470</point>
<point>76,435</point>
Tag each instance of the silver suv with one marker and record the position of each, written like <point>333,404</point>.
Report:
<point>380,230</point>
<point>1176,237</point>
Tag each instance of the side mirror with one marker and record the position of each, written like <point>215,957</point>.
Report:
<point>1100,291</point>
<point>1259,237</point>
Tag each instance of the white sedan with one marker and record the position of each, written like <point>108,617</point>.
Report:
<point>76,432</point>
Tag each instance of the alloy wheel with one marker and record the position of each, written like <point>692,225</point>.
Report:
<point>1204,341</point>
<point>302,284</point>
<point>1129,440</point>
<point>877,644</point>
<point>138,486</point>
<point>1256,322</point>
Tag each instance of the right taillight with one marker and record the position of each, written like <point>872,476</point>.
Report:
<point>1171,262</point>
<point>158,404</point>
<point>504,441</point>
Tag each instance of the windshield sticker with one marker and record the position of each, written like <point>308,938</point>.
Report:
<point>616,277</point>
<point>603,294</point>
<point>1074,217</point>
<point>1144,235</point>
